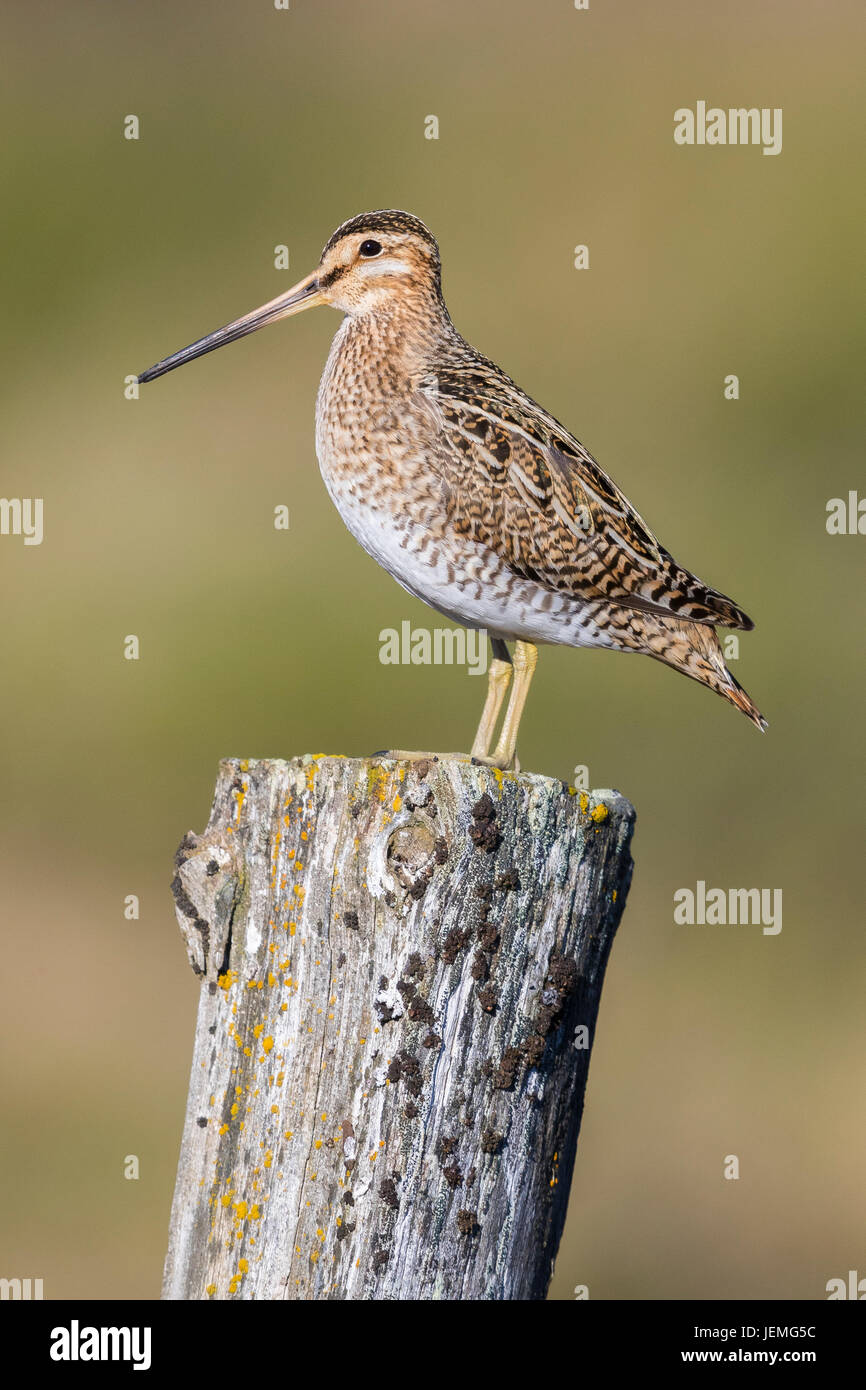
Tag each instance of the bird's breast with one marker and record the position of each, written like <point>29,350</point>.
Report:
<point>377,448</point>
<point>373,445</point>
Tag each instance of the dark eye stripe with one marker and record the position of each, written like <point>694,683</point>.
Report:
<point>332,275</point>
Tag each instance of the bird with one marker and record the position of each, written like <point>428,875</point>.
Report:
<point>469,493</point>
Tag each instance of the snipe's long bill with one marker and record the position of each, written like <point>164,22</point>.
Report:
<point>472,496</point>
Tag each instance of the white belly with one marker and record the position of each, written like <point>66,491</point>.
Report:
<point>460,579</point>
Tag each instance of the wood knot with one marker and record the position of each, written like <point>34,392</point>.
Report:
<point>206,889</point>
<point>408,856</point>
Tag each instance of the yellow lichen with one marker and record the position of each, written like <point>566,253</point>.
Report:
<point>376,783</point>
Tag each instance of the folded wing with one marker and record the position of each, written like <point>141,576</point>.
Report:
<point>519,483</point>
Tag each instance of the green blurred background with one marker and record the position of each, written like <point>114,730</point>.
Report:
<point>261,127</point>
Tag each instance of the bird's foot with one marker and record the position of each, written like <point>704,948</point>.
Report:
<point>414,756</point>
<point>512,765</point>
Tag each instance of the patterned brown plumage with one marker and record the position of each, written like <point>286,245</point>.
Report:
<point>529,487</point>
<point>469,493</point>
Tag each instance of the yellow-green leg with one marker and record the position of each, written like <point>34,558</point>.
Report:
<point>525,660</point>
<point>498,678</point>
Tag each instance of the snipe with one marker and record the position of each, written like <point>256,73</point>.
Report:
<point>472,496</point>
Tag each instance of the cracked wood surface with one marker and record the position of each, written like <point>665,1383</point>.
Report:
<point>400,966</point>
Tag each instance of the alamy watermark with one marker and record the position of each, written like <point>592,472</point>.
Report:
<point>21,1289</point>
<point>713,125</point>
<point>443,646</point>
<point>846,517</point>
<point>22,516</point>
<point>77,1343</point>
<point>717,907</point>
<point>853,1287</point>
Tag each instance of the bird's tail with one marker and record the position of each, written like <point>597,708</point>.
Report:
<point>696,651</point>
<point>704,661</point>
<point>690,647</point>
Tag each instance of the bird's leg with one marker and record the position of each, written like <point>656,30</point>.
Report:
<point>525,659</point>
<point>498,678</point>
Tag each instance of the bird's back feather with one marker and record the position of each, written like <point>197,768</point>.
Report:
<point>518,482</point>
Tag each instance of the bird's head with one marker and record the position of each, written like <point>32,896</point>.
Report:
<point>372,261</point>
<point>377,257</point>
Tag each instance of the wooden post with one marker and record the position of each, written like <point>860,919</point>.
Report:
<point>401,965</point>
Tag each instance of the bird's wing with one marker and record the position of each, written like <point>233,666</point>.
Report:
<point>519,483</point>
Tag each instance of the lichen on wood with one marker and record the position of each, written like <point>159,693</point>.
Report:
<point>400,966</point>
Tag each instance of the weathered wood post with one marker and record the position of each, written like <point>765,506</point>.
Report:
<point>401,965</point>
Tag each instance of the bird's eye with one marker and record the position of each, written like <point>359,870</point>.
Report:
<point>369,249</point>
